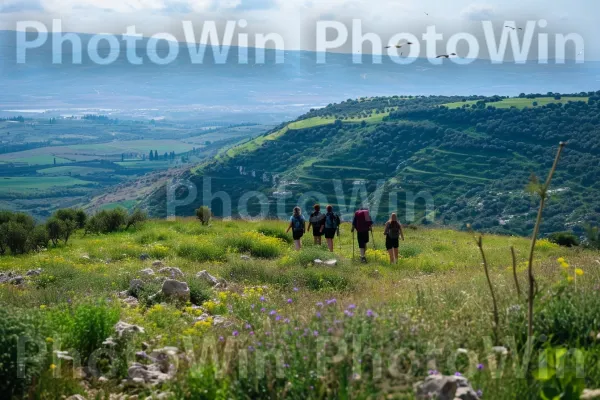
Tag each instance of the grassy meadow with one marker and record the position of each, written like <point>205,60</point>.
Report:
<point>285,327</point>
<point>519,102</point>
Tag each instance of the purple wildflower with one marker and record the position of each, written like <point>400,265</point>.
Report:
<point>263,309</point>
<point>262,298</point>
<point>250,348</point>
<point>289,301</point>
<point>480,393</point>
<point>287,320</point>
<point>251,333</point>
<point>235,333</point>
<point>329,330</point>
<point>330,302</point>
<point>277,318</point>
<point>370,313</point>
<point>351,307</point>
<point>248,326</point>
<point>295,289</point>
<point>318,314</point>
<point>480,366</point>
<point>316,333</point>
<point>221,339</point>
<point>457,374</point>
<point>349,313</point>
<point>272,312</point>
<point>433,372</point>
<point>319,304</point>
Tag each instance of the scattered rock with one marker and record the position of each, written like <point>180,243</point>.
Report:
<point>34,272</point>
<point>109,342</point>
<point>158,264</point>
<point>102,379</point>
<point>175,289</point>
<point>318,262</point>
<point>245,257</point>
<point>442,387</point>
<point>589,394</point>
<point>131,301</point>
<point>123,295</point>
<point>208,278</point>
<point>85,257</point>
<point>171,271</point>
<point>76,397</point>
<point>5,276</point>
<point>201,318</point>
<point>500,350</point>
<point>145,346</point>
<point>63,355</point>
<point>331,263</point>
<point>141,355</point>
<point>144,256</point>
<point>147,272</point>
<point>160,396</point>
<point>219,320</point>
<point>136,284</point>
<point>123,328</point>
<point>17,280</point>
<point>150,374</point>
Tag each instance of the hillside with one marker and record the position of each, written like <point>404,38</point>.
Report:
<point>472,161</point>
<point>282,305</point>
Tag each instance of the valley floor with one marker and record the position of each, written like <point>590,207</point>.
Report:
<point>277,325</point>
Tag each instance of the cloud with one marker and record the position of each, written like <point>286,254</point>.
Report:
<point>256,5</point>
<point>13,6</point>
<point>478,12</point>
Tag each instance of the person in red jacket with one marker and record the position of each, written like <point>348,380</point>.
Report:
<point>363,224</point>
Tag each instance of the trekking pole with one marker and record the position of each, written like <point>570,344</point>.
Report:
<point>352,233</point>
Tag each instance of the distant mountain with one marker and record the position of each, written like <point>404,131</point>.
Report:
<point>269,92</point>
<point>460,160</point>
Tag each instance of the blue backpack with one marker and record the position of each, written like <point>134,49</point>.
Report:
<point>298,223</point>
<point>332,221</point>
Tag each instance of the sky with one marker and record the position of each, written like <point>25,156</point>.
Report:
<point>295,20</point>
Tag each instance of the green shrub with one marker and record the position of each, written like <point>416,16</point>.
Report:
<point>16,239</point>
<point>566,239</point>
<point>199,291</point>
<point>276,233</point>
<point>107,221</point>
<point>257,244</point>
<point>592,237</point>
<point>30,328</point>
<point>203,214</point>
<point>85,327</point>
<point>201,251</point>
<point>38,238</point>
<point>78,216</point>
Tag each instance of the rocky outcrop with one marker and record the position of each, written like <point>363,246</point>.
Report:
<point>175,290</point>
<point>443,387</point>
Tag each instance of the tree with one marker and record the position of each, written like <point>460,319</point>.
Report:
<point>55,228</point>
<point>17,237</point>
<point>155,155</point>
<point>203,214</point>
<point>137,217</point>
<point>151,156</point>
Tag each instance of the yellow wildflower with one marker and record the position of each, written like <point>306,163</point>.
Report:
<point>564,265</point>
<point>42,307</point>
<point>49,340</point>
<point>579,271</point>
<point>561,260</point>
<point>52,366</point>
<point>570,279</point>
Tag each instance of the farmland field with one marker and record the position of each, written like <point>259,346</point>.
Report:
<point>32,184</point>
<point>519,102</point>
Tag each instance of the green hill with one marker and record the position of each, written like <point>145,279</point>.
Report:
<point>457,165</point>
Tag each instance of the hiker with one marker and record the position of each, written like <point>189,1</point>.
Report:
<point>316,220</point>
<point>363,224</point>
<point>393,231</point>
<point>298,227</point>
<point>331,226</point>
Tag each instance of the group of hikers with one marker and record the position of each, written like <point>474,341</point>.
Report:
<point>328,225</point>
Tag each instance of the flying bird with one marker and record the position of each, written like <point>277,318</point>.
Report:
<point>506,26</point>
<point>426,13</point>
<point>446,55</point>
<point>403,44</point>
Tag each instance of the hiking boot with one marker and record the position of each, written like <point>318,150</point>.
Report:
<point>363,260</point>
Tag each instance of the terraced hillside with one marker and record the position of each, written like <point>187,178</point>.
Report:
<point>425,157</point>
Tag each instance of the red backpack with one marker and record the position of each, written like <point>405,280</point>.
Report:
<point>363,220</point>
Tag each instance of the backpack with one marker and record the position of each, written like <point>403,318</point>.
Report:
<point>394,230</point>
<point>298,223</point>
<point>316,219</point>
<point>363,220</point>
<point>332,221</point>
